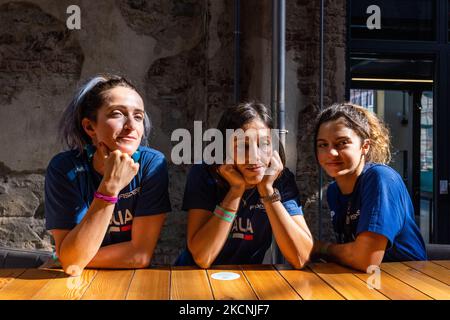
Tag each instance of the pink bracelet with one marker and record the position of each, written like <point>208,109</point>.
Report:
<point>100,196</point>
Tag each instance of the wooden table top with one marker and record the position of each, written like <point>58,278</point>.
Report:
<point>419,280</point>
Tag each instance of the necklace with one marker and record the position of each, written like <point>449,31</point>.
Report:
<point>244,200</point>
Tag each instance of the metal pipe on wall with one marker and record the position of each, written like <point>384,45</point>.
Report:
<point>278,88</point>
<point>282,71</point>
<point>237,49</point>
<point>322,7</point>
<point>274,71</point>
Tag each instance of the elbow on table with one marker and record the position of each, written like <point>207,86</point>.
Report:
<point>72,263</point>
<point>299,262</point>
<point>202,262</point>
<point>72,269</point>
<point>302,257</point>
<point>142,264</point>
<point>141,260</point>
<point>367,267</point>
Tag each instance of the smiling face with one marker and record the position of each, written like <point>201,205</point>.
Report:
<point>255,149</point>
<point>340,149</point>
<point>120,121</point>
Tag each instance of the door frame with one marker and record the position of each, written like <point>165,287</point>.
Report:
<point>440,51</point>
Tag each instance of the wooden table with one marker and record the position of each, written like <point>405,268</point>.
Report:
<point>409,280</point>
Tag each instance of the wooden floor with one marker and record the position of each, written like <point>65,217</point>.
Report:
<point>397,281</point>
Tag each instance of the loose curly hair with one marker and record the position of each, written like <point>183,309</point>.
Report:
<point>366,125</point>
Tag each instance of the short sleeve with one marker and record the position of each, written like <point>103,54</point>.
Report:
<point>64,204</point>
<point>289,193</point>
<point>201,190</point>
<point>332,194</point>
<point>154,194</point>
<point>382,210</point>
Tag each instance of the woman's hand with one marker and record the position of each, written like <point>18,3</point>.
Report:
<point>119,170</point>
<point>232,176</point>
<point>265,187</point>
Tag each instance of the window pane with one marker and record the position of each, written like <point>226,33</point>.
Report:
<point>426,163</point>
<point>363,66</point>
<point>399,20</point>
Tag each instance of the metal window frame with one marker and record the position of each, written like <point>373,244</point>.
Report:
<point>440,51</point>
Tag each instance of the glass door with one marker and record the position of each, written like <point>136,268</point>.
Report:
<point>404,101</point>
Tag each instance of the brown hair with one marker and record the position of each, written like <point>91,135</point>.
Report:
<point>366,125</point>
<point>238,116</point>
<point>85,104</point>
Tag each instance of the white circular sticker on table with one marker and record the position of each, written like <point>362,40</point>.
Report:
<point>225,276</point>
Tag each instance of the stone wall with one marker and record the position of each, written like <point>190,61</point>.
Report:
<point>179,53</point>
<point>303,40</point>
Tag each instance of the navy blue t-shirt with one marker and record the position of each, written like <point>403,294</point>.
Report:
<point>251,233</point>
<point>71,181</point>
<point>380,203</point>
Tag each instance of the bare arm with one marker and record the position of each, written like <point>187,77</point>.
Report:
<point>291,234</point>
<point>368,249</point>
<point>207,233</point>
<point>75,248</point>
<point>79,246</point>
<point>136,253</point>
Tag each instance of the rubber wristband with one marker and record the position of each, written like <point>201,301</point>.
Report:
<point>108,199</point>
<point>226,211</point>
<point>230,220</point>
<point>223,214</point>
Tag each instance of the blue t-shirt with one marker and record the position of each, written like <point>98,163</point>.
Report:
<point>71,181</point>
<point>251,233</point>
<point>379,203</point>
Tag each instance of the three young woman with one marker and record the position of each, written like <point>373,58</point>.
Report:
<point>107,197</point>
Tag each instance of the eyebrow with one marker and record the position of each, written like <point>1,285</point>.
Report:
<point>120,106</point>
<point>338,138</point>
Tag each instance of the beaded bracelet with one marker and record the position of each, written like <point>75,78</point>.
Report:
<point>224,214</point>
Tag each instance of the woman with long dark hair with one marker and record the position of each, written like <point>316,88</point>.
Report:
<point>235,207</point>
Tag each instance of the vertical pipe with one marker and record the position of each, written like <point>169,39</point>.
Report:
<point>274,77</point>
<point>282,70</point>
<point>278,84</point>
<point>274,97</point>
<point>321,108</point>
<point>237,61</point>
